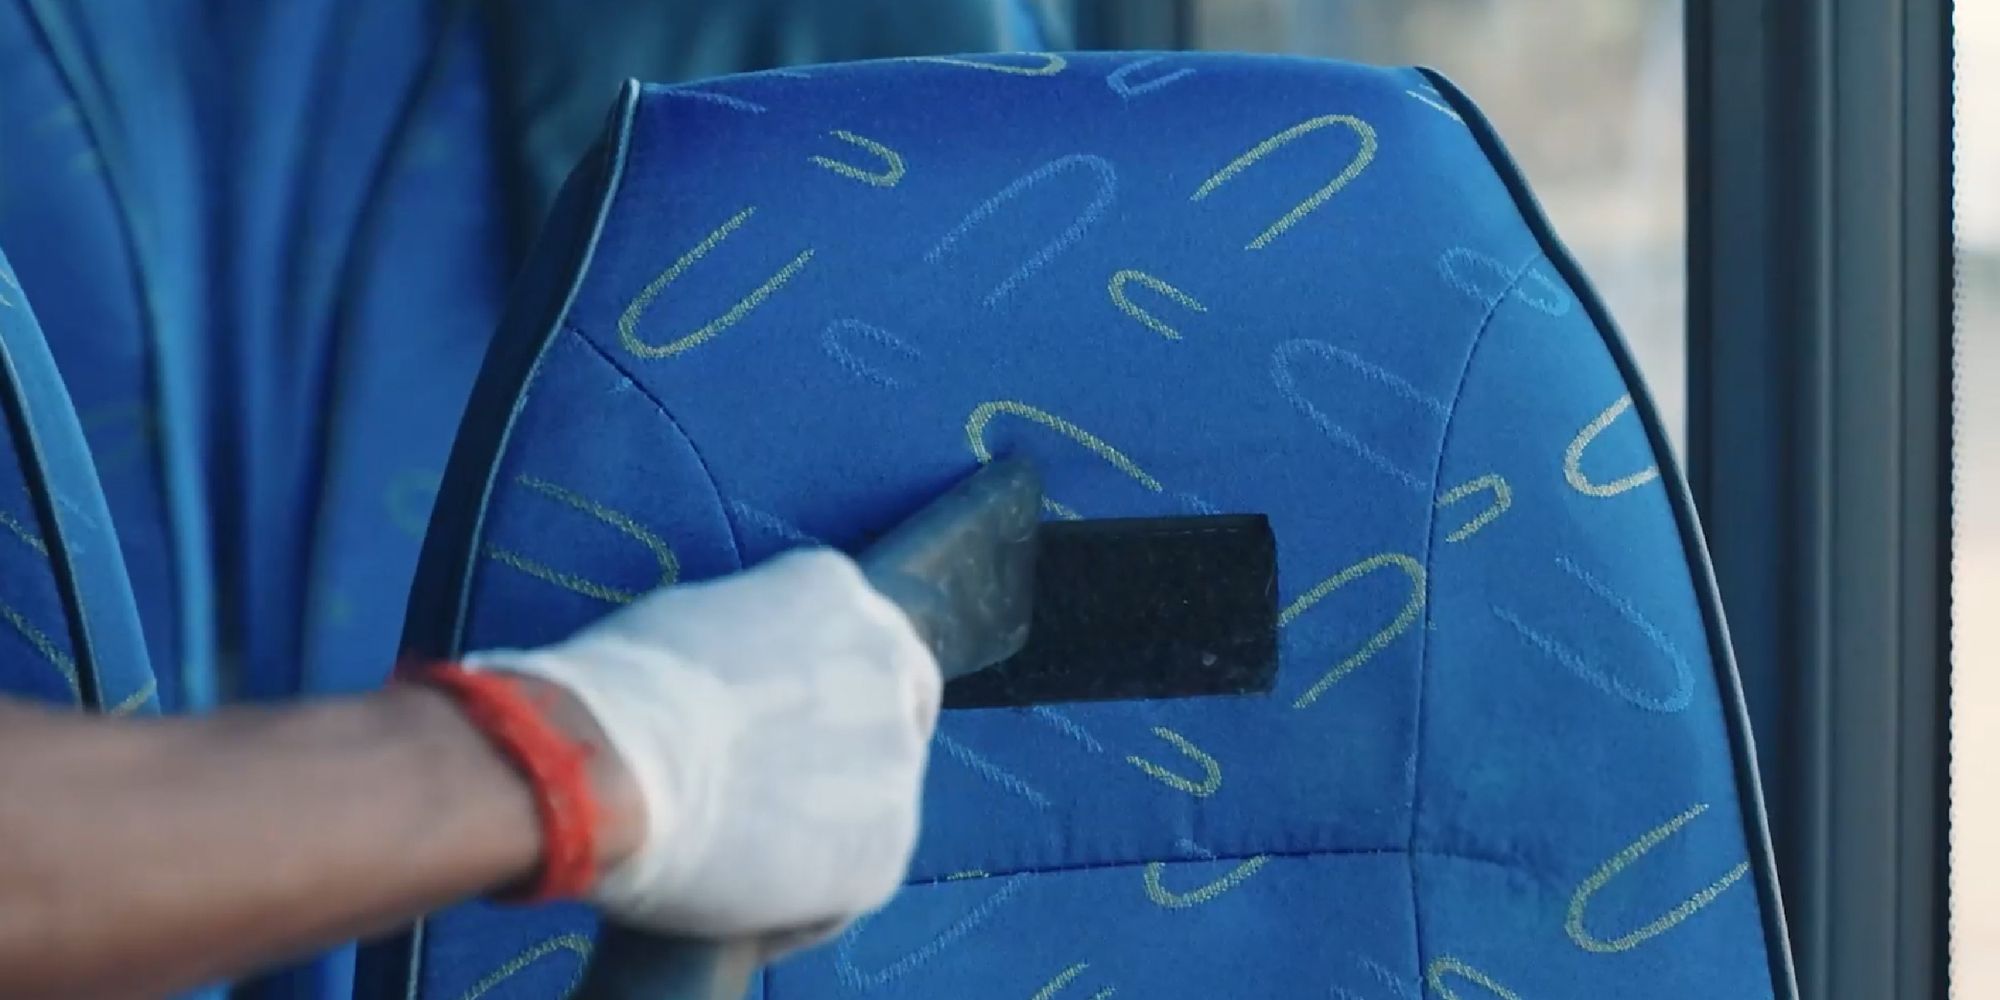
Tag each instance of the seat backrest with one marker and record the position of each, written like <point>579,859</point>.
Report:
<point>1506,756</point>
<point>101,199</point>
<point>69,631</point>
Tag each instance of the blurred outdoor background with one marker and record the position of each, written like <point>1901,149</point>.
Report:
<point>1976,566</point>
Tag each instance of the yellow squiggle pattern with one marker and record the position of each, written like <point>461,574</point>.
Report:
<point>568,942</point>
<point>670,566</point>
<point>1061,981</point>
<point>1125,304</point>
<point>43,645</point>
<point>26,534</point>
<point>1580,900</point>
<point>1051,64</point>
<point>1211,770</point>
<point>1160,894</point>
<point>1380,641</point>
<point>889,176</point>
<point>135,699</point>
<point>1573,457</point>
<point>1068,976</point>
<point>1447,965</point>
<point>628,321</point>
<point>1503,498</point>
<point>983,414</point>
<point>1362,157</point>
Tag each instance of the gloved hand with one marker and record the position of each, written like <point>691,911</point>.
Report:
<point>777,723</point>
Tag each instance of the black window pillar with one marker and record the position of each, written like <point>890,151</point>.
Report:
<point>1819,267</point>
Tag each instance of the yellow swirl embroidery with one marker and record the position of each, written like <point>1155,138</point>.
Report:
<point>1573,457</point>
<point>1067,976</point>
<point>1211,771</point>
<point>1163,896</point>
<point>1580,900</point>
<point>137,698</point>
<point>568,942</point>
<point>1380,641</point>
<point>669,566</point>
<point>1117,289</point>
<point>983,414</point>
<point>24,533</point>
<point>1447,965</point>
<point>1119,79</point>
<point>1362,157</point>
<point>628,321</point>
<point>1051,64</point>
<point>43,645</point>
<point>1503,498</point>
<point>1061,981</point>
<point>888,177</point>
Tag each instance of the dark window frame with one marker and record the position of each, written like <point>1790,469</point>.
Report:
<point>1819,347</point>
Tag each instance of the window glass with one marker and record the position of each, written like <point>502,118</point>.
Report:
<point>1588,95</point>
<point>1975,710</point>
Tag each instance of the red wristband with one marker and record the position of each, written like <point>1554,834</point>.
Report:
<point>555,765</point>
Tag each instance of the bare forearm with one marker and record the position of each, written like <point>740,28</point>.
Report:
<point>145,856</point>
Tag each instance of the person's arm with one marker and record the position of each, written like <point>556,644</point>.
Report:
<point>763,741</point>
<point>141,856</point>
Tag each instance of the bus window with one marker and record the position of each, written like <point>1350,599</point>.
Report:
<point>1975,814</point>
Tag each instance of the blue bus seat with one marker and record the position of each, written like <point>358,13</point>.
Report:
<point>69,629</point>
<point>101,198</point>
<point>1507,755</point>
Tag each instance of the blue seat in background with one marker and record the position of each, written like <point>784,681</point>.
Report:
<point>1507,754</point>
<point>102,202</point>
<point>69,631</point>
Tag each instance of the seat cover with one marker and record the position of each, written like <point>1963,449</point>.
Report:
<point>101,199</point>
<point>1506,756</point>
<point>69,631</point>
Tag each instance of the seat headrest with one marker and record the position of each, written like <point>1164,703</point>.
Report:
<point>788,308</point>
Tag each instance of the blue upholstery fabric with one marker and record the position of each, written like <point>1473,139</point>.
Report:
<point>1506,756</point>
<point>101,179</point>
<point>435,247</point>
<point>377,263</point>
<point>69,631</point>
<point>312,140</point>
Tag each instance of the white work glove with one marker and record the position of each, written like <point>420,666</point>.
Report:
<point>777,723</point>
